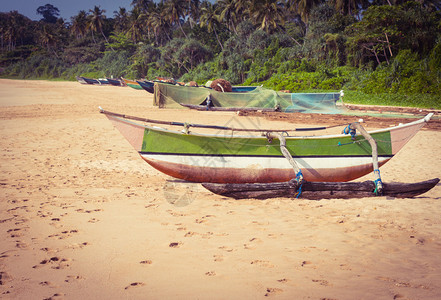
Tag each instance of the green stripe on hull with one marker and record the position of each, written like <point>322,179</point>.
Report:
<point>169,142</point>
<point>135,86</point>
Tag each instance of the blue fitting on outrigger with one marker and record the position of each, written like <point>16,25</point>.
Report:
<point>298,175</point>
<point>350,131</point>
<point>376,181</point>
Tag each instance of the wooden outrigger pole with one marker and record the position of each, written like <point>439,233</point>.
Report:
<point>323,190</point>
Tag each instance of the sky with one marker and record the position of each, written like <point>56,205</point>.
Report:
<point>67,8</point>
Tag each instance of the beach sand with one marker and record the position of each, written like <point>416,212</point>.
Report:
<point>82,216</point>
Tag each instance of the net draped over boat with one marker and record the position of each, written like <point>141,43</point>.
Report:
<point>167,95</point>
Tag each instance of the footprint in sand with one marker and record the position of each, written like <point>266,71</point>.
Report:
<point>321,282</point>
<point>272,291</point>
<point>218,258</point>
<point>88,211</point>
<point>55,263</point>
<point>262,263</point>
<point>225,248</point>
<point>15,232</point>
<point>204,219</point>
<point>146,262</point>
<point>49,250</point>
<point>21,245</point>
<point>47,283</point>
<point>77,245</point>
<point>4,277</point>
<point>252,244</point>
<point>72,278</point>
<point>64,234</point>
<point>134,284</point>
<point>55,296</point>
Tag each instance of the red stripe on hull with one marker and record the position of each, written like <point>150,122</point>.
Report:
<point>235,175</point>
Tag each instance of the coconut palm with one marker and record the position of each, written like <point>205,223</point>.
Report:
<point>14,28</point>
<point>121,19</point>
<point>137,23</point>
<point>143,5</point>
<point>158,24</point>
<point>304,7</point>
<point>46,37</point>
<point>349,7</point>
<point>268,14</point>
<point>193,11</point>
<point>79,24</point>
<point>210,19</point>
<point>96,21</point>
<point>227,13</point>
<point>175,9</point>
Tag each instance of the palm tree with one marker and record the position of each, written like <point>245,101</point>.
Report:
<point>15,27</point>
<point>157,22</point>
<point>304,7</point>
<point>175,9</point>
<point>210,19</point>
<point>193,11</point>
<point>349,7</point>
<point>227,13</point>
<point>136,25</point>
<point>79,24</point>
<point>121,19</point>
<point>268,13</point>
<point>46,37</point>
<point>96,21</point>
<point>143,5</point>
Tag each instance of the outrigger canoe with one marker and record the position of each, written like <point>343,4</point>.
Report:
<point>133,84</point>
<point>246,158</point>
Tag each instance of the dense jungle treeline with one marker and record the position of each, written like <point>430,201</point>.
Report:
<point>387,48</point>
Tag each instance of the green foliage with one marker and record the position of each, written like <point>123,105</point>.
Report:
<point>39,65</point>
<point>407,74</point>
<point>120,42</point>
<point>388,99</point>
<point>392,54</point>
<point>143,60</point>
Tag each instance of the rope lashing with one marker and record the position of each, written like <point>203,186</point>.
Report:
<point>350,130</point>
<point>378,183</point>
<point>377,179</point>
<point>186,129</point>
<point>208,102</point>
<point>299,179</point>
<point>299,176</point>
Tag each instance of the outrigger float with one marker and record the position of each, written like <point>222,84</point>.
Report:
<point>274,164</point>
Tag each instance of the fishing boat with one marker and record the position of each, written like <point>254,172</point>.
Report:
<point>81,80</point>
<point>146,85</point>
<point>103,81</point>
<point>167,95</point>
<point>238,156</point>
<point>131,83</point>
<point>114,82</point>
<point>242,89</point>
<point>87,80</point>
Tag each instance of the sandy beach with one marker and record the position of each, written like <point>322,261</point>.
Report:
<point>82,216</point>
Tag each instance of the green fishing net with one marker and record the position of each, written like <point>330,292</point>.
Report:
<point>174,96</point>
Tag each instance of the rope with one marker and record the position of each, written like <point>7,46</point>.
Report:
<point>299,178</point>
<point>378,183</point>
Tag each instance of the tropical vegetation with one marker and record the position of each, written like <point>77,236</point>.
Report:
<point>387,48</point>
